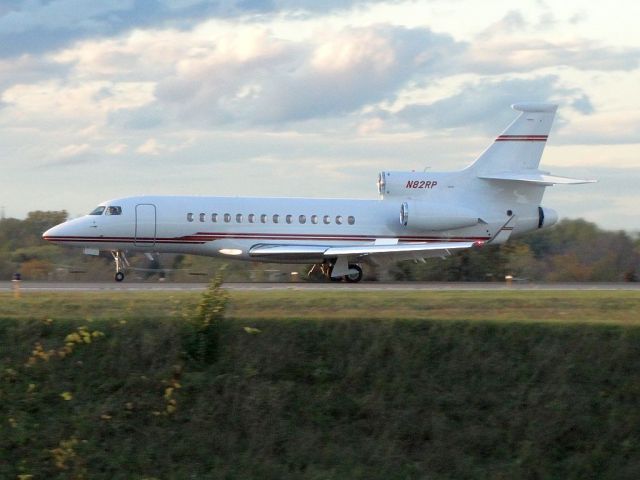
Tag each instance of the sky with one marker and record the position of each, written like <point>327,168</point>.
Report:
<point>101,100</point>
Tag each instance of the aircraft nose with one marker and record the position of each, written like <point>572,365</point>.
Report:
<point>53,233</point>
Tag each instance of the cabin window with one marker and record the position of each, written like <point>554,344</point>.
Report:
<point>339,219</point>
<point>227,217</point>
<point>314,219</point>
<point>202,215</point>
<point>289,218</point>
<point>239,218</point>
<point>302,219</point>
<point>251,218</point>
<point>263,218</point>
<point>326,219</point>
<point>97,211</point>
<point>214,217</point>
<point>189,217</point>
<point>351,219</point>
<point>113,211</point>
<point>276,218</point>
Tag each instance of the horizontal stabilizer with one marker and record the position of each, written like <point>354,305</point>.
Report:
<point>535,107</point>
<point>534,177</point>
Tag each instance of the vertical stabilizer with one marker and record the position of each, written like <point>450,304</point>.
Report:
<point>520,146</point>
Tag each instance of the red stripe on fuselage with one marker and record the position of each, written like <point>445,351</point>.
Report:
<point>522,138</point>
<point>201,238</point>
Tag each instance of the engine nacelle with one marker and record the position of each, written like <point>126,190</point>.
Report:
<point>530,218</point>
<point>418,215</point>
<point>546,217</point>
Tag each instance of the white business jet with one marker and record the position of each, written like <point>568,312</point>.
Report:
<point>418,215</point>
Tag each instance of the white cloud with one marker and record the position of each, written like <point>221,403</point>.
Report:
<point>266,80</point>
<point>485,102</point>
<point>60,104</point>
<point>73,150</point>
<point>150,147</point>
<point>116,148</point>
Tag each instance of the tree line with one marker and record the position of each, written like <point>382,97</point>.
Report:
<point>571,251</point>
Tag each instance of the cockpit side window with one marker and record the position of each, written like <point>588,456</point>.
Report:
<point>98,210</point>
<point>113,211</point>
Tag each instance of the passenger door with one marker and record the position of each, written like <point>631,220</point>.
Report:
<point>145,234</point>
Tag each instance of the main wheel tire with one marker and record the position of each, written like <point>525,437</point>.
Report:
<point>354,277</point>
<point>119,276</point>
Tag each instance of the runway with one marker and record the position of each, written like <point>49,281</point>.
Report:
<point>28,286</point>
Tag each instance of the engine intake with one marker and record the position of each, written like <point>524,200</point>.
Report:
<point>546,217</point>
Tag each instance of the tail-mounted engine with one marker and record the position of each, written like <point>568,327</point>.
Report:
<point>417,215</point>
<point>546,217</point>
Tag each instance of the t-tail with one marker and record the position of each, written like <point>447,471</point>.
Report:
<point>515,154</point>
<point>519,148</point>
<point>504,181</point>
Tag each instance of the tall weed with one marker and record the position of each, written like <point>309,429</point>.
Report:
<point>203,327</point>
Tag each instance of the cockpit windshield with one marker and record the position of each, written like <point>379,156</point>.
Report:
<point>113,211</point>
<point>98,210</point>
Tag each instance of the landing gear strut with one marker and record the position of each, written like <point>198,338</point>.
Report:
<point>121,264</point>
<point>324,271</point>
<point>319,272</point>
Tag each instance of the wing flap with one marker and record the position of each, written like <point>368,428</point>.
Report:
<point>360,250</point>
<point>280,249</point>
<point>405,250</point>
<point>311,253</point>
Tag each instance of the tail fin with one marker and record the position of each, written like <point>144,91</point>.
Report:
<point>521,145</point>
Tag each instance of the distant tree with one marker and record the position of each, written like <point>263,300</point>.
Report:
<point>588,253</point>
<point>574,250</point>
<point>519,260</point>
<point>568,268</point>
<point>35,269</point>
<point>16,233</point>
<point>22,246</point>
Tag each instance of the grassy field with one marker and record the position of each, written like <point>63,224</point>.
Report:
<point>603,307</point>
<point>443,385</point>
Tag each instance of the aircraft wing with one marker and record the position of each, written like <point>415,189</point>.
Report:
<point>383,248</point>
<point>399,250</point>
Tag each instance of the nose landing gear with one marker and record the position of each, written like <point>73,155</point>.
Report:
<point>121,264</point>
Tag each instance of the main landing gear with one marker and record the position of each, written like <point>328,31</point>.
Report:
<point>121,264</point>
<point>354,277</point>
<point>335,272</point>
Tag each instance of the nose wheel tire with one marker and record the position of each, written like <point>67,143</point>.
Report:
<point>119,276</point>
<point>354,277</point>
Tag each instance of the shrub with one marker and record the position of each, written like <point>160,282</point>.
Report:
<point>202,336</point>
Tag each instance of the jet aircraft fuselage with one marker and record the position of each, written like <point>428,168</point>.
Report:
<point>418,214</point>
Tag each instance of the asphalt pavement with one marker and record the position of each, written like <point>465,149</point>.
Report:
<point>29,286</point>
